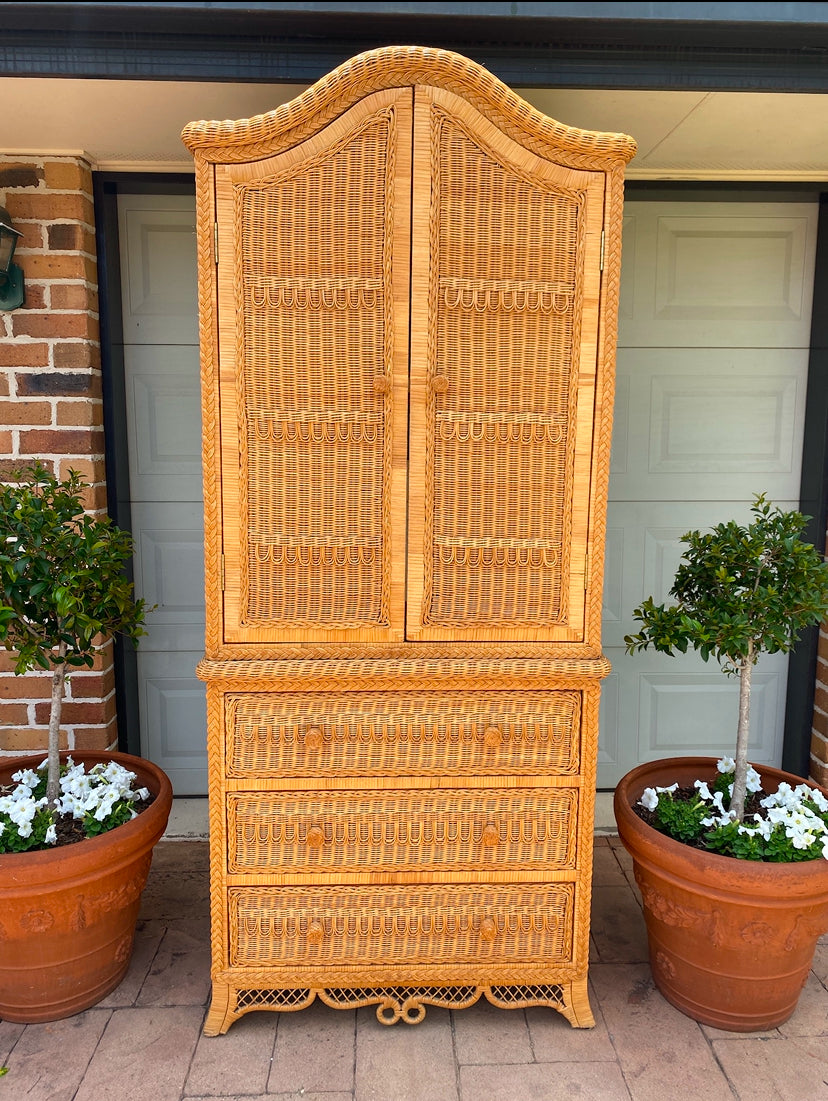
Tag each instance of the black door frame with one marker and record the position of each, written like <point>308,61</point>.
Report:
<point>107,186</point>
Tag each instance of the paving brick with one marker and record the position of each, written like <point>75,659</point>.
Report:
<point>314,1051</point>
<point>169,895</point>
<point>775,1070</point>
<point>820,962</point>
<point>236,1063</point>
<point>274,1097</point>
<point>180,972</point>
<point>482,1032</point>
<point>537,1082</point>
<point>606,870</point>
<point>144,1055</point>
<point>659,1048</point>
<point>554,1040</point>
<point>618,930</point>
<point>810,1018</point>
<point>49,1061</point>
<point>403,1062</point>
<point>9,1035</point>
<point>148,937</point>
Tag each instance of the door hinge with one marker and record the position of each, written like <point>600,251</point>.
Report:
<point>215,243</point>
<point>600,262</point>
<point>222,573</point>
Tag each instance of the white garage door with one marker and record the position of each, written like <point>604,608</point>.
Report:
<point>712,366</point>
<point>163,406</point>
<point>712,370</point>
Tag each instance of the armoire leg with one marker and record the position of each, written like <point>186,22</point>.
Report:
<point>220,1016</point>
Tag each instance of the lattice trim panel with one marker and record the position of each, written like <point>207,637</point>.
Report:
<point>408,1003</point>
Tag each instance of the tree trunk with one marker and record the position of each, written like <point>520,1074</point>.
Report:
<point>58,681</point>
<point>737,801</point>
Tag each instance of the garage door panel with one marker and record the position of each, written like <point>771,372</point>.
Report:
<point>663,707</point>
<point>174,716</point>
<point>158,264</point>
<point>169,542</point>
<point>163,400</point>
<point>719,275</point>
<point>644,549</point>
<point>686,421</point>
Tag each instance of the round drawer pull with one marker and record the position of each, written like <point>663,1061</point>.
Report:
<point>492,736</point>
<point>315,837</point>
<point>314,737</point>
<point>440,384</point>
<point>490,835</point>
<point>316,932</point>
<point>382,384</point>
<point>488,929</point>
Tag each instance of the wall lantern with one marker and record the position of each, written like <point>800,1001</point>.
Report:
<point>11,276</point>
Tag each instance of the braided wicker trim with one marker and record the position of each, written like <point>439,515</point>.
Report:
<point>397,66</point>
<point>551,673</point>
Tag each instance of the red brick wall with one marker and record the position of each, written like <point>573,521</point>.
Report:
<point>819,732</point>
<point>51,408</point>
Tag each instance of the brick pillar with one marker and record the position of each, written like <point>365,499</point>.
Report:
<point>51,409</point>
<point>819,730</point>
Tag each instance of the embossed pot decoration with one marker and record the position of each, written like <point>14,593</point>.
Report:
<point>67,915</point>
<point>731,941</point>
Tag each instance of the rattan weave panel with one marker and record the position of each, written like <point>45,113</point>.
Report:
<point>317,556</point>
<point>376,832</point>
<point>339,926</point>
<point>504,376</point>
<point>403,734</point>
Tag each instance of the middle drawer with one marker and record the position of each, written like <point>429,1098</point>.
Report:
<point>396,831</point>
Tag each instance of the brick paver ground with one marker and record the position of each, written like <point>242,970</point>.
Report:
<point>144,1043</point>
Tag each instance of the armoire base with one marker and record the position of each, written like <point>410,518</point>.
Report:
<point>399,1003</point>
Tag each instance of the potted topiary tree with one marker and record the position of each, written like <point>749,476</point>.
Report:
<point>76,836</point>
<point>732,861</point>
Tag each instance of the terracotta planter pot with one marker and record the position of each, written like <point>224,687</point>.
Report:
<point>67,916</point>
<point>731,941</point>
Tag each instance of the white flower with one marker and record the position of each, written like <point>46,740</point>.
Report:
<point>26,776</point>
<point>726,765</point>
<point>50,837</point>
<point>819,800</point>
<point>649,799</point>
<point>754,780</point>
<point>703,790</point>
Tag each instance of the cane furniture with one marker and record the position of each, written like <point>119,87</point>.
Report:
<point>408,296</point>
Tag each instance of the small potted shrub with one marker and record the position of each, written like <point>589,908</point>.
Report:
<point>731,860</point>
<point>76,831</point>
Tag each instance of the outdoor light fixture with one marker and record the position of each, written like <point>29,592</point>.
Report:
<point>11,277</point>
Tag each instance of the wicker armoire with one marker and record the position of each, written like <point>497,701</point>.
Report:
<point>408,288</point>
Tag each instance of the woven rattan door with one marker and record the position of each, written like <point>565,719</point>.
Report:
<point>313,270</point>
<point>506,299</point>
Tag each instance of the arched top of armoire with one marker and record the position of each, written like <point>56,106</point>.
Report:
<point>401,66</point>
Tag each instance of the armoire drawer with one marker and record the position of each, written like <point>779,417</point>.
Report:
<point>415,831</point>
<point>414,925</point>
<point>403,734</point>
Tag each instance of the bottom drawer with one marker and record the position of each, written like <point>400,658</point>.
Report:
<point>339,926</point>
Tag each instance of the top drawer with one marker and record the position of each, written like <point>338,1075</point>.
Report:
<point>403,734</point>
